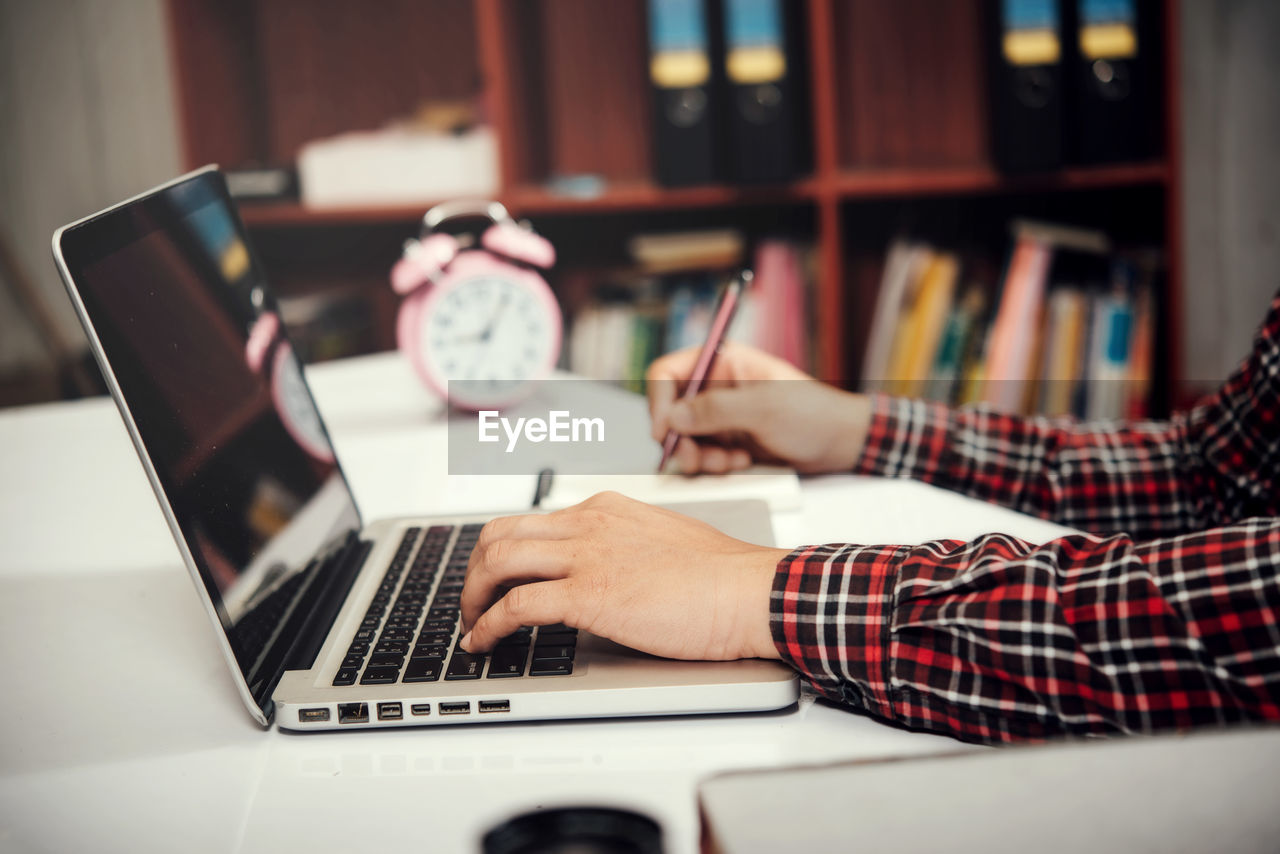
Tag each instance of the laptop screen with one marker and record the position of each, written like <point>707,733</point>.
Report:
<point>192,337</point>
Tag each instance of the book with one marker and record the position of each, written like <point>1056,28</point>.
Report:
<point>1013,338</point>
<point>1063,346</point>
<point>964,324</point>
<point>1109,357</point>
<point>921,333</point>
<point>777,311</point>
<point>901,266</point>
<point>669,252</point>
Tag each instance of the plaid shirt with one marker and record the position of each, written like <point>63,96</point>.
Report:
<point>1165,616</point>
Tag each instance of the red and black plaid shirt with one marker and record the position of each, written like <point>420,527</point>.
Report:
<point>1167,616</point>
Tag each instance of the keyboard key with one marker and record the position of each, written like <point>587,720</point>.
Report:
<point>403,622</point>
<point>358,648</point>
<point>423,670</point>
<point>438,625</point>
<point>435,638</point>
<point>397,633</point>
<point>356,661</point>
<point>464,665</point>
<point>553,653</point>
<point>519,636</point>
<point>437,652</point>
<point>365,635</point>
<point>442,614</point>
<point>346,676</point>
<point>379,675</point>
<point>399,647</point>
<point>386,659</point>
<point>550,667</point>
<point>508,661</point>
<point>546,638</point>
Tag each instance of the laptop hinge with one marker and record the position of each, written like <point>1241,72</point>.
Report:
<point>312,619</point>
<point>347,563</point>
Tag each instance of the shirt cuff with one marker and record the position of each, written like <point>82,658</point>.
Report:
<point>829,614</point>
<point>905,438</point>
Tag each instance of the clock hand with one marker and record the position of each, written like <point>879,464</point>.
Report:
<point>497,315</point>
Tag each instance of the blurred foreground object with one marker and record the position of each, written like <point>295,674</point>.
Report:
<point>1207,792</point>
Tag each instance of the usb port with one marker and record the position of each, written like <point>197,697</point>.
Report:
<point>390,711</point>
<point>463,708</point>
<point>313,716</point>
<point>353,713</point>
<point>420,709</point>
<point>495,706</point>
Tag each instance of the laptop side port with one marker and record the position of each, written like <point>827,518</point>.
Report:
<point>390,711</point>
<point>494,706</point>
<point>312,716</point>
<point>420,709</point>
<point>463,708</point>
<point>353,713</point>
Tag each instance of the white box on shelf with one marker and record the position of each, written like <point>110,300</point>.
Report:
<point>397,165</point>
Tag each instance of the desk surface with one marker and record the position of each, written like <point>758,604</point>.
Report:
<point>123,730</point>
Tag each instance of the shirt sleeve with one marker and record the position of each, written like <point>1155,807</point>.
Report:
<point>998,640</point>
<point>1218,463</point>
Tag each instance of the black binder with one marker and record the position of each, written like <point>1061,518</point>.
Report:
<point>682,75</point>
<point>1115,56</point>
<point>765,92</point>
<point>1026,84</point>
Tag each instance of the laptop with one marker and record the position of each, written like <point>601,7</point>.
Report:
<point>326,623</point>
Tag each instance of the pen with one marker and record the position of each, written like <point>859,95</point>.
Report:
<point>720,322</point>
<point>543,487</point>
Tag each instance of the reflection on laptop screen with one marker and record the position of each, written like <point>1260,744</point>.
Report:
<point>193,340</point>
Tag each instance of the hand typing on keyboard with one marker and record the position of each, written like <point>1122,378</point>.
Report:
<point>642,576</point>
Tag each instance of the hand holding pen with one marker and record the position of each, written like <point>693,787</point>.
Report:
<point>752,408</point>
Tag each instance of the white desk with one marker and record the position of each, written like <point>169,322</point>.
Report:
<point>122,731</point>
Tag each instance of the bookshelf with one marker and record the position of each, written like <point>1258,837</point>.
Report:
<point>898,114</point>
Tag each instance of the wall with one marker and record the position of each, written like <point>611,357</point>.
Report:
<point>87,102</point>
<point>1231,174</point>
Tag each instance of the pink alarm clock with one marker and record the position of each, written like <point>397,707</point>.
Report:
<point>269,354</point>
<point>481,313</point>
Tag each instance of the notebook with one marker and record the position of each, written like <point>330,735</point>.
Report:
<point>326,622</point>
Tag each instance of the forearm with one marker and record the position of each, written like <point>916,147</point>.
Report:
<point>1134,478</point>
<point>1000,640</point>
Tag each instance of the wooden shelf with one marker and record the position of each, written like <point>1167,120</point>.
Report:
<point>871,183</point>
<point>621,197</point>
<point>628,197</point>
<point>645,196</point>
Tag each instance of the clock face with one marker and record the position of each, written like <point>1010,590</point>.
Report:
<point>293,402</point>
<point>496,330</point>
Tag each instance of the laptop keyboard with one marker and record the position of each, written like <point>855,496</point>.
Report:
<point>409,636</point>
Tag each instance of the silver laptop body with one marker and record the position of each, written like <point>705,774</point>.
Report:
<point>185,330</point>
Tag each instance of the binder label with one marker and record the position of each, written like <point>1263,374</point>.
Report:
<point>678,44</point>
<point>754,41</point>
<point>1030,32</point>
<point>1107,29</point>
